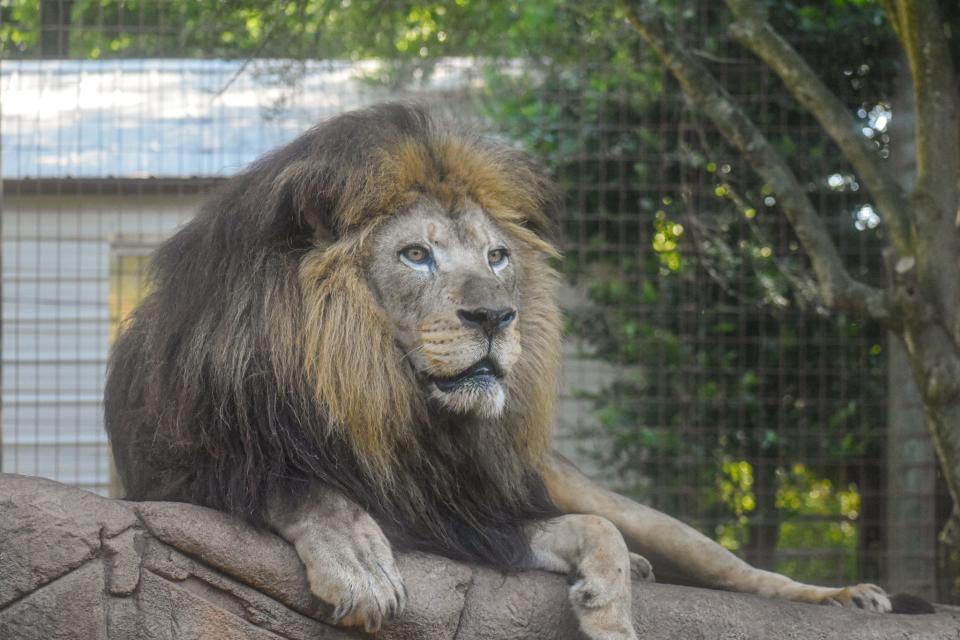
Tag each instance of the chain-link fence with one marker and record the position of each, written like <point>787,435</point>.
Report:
<point>701,375</point>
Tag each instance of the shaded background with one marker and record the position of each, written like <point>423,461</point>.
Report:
<point>701,375</point>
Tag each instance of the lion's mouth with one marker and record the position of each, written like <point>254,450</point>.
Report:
<point>484,372</point>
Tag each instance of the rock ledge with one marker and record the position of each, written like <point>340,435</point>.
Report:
<point>75,565</point>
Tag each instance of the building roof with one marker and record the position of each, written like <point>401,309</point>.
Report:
<point>163,118</point>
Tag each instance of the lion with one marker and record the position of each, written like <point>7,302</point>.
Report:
<point>356,344</point>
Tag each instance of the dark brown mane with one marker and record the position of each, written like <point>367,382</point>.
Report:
<point>261,363</point>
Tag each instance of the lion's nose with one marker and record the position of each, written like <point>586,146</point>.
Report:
<point>490,321</point>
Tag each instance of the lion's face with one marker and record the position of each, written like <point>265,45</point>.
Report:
<point>448,281</point>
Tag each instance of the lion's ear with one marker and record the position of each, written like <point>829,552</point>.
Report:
<point>299,193</point>
<point>550,210</point>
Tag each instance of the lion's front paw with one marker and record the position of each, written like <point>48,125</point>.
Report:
<point>591,592</point>
<point>359,579</point>
<point>368,597</point>
<point>602,605</point>
<point>868,597</point>
<point>640,569</point>
<point>598,582</point>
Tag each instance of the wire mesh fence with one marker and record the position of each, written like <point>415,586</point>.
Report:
<point>701,375</point>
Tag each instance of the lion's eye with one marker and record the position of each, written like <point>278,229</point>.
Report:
<point>417,257</point>
<point>497,258</point>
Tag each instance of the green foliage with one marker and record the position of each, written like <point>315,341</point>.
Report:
<point>666,241</point>
<point>815,515</point>
<point>810,505</point>
<point>19,25</point>
<point>402,30</point>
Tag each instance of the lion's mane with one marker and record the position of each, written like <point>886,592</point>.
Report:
<point>261,363</point>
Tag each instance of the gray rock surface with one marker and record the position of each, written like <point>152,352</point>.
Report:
<point>74,565</point>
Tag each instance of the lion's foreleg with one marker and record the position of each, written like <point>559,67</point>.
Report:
<point>349,563</point>
<point>679,553</point>
<point>593,554</point>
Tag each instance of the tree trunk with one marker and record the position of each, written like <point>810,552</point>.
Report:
<point>764,525</point>
<point>871,532</point>
<point>935,362</point>
<point>911,484</point>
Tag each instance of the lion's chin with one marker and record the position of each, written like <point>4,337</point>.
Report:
<point>483,398</point>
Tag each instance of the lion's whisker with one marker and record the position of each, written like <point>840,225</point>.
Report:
<point>409,353</point>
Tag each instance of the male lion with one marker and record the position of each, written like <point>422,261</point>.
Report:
<point>355,344</point>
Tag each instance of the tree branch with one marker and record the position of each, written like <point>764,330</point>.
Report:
<point>753,31</point>
<point>935,199</point>
<point>837,288</point>
<point>921,31</point>
<point>889,8</point>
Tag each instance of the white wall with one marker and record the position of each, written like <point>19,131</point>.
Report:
<point>56,262</point>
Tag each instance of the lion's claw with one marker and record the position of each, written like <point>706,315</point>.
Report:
<point>640,569</point>
<point>370,596</point>
<point>867,597</point>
